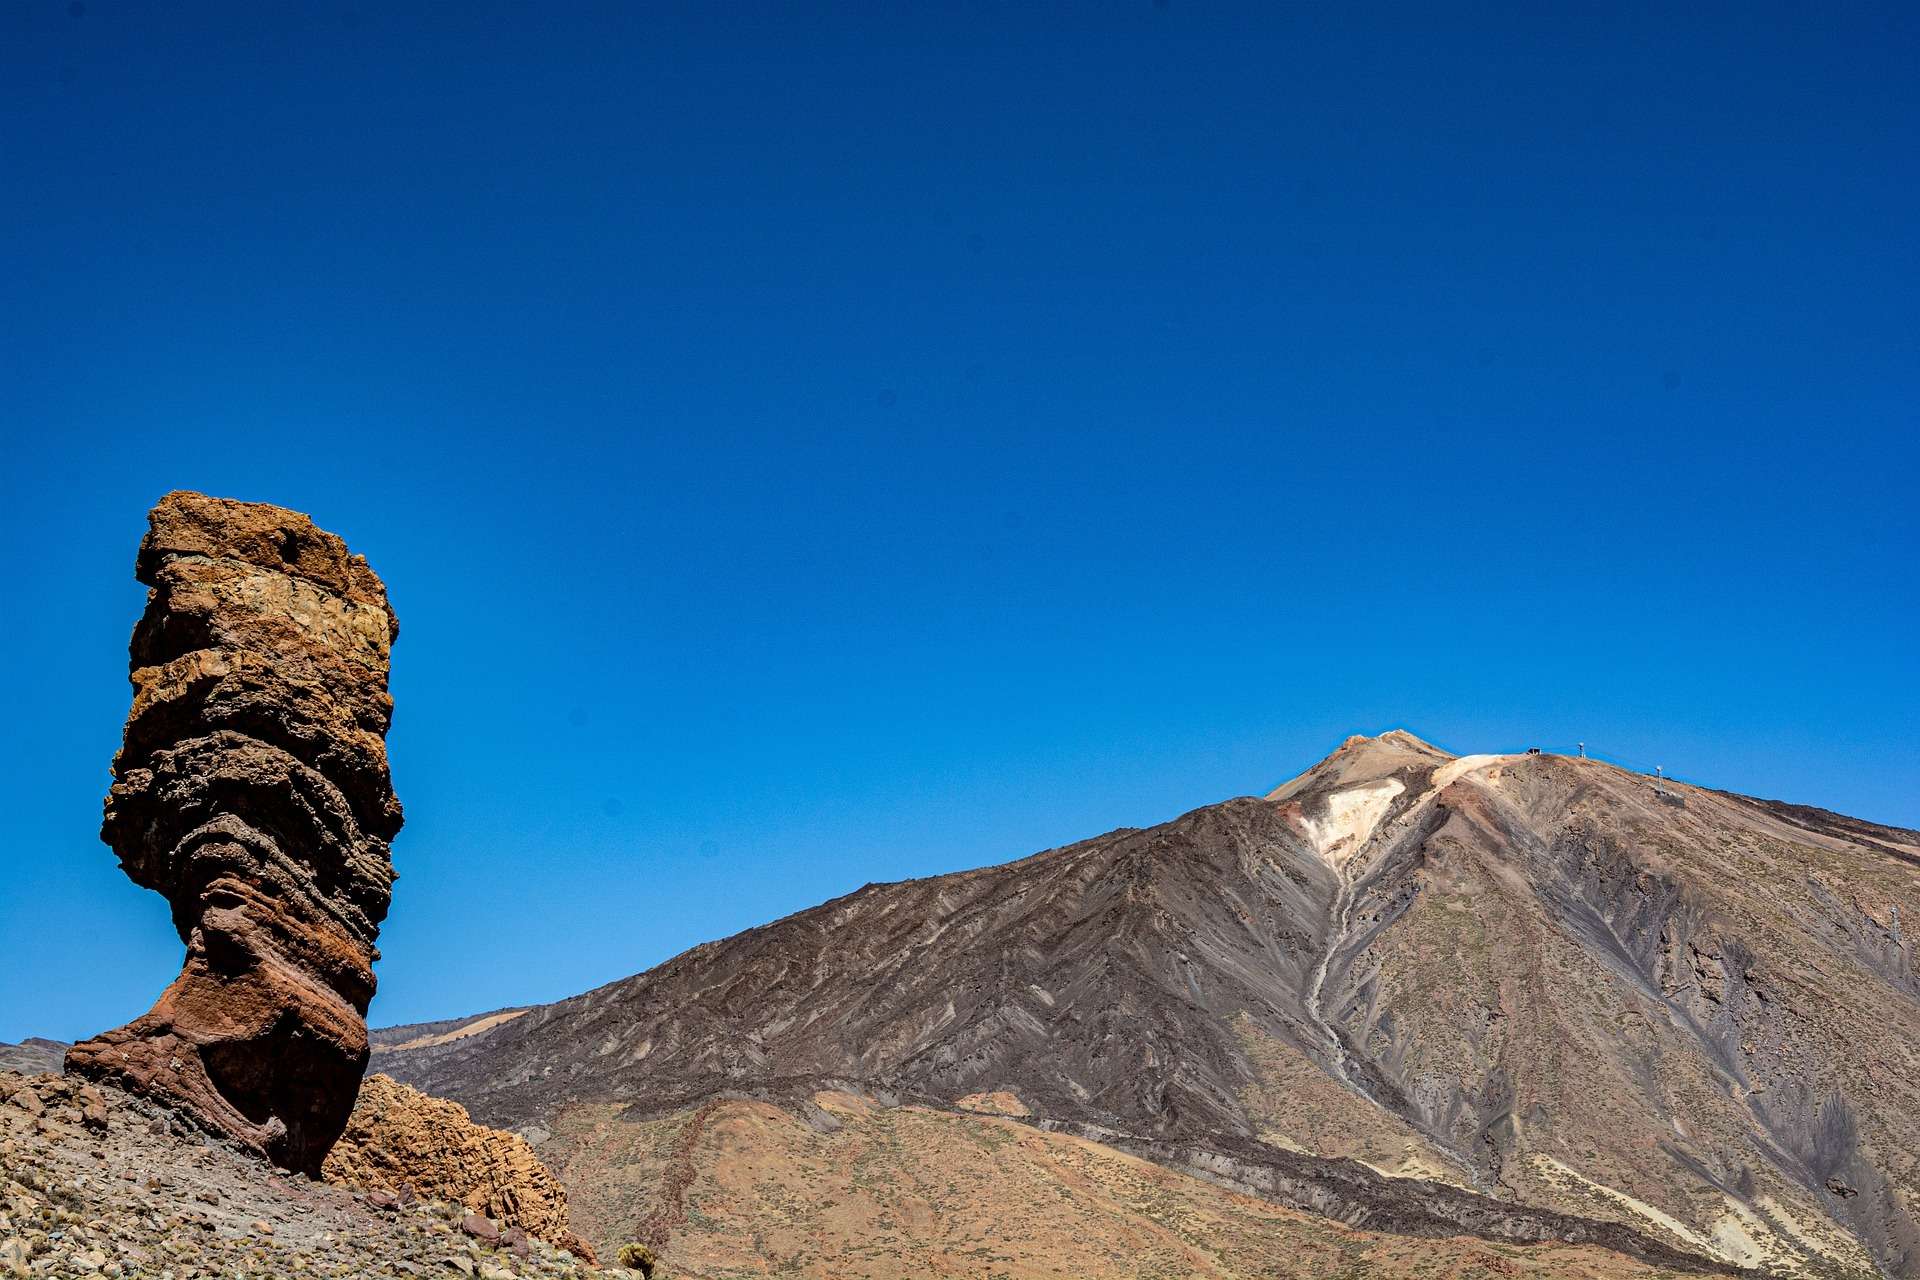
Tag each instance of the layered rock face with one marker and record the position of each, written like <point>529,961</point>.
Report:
<point>252,791</point>
<point>400,1141</point>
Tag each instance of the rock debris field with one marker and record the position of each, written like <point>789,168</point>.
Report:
<point>96,1182</point>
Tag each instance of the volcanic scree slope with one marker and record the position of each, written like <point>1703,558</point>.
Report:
<point>1534,989</point>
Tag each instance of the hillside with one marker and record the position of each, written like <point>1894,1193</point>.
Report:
<point>95,1181</point>
<point>854,1189</point>
<point>32,1055</point>
<point>1555,1001</point>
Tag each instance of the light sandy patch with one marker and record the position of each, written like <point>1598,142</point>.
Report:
<point>1001,1102</point>
<point>1554,1170</point>
<point>1274,1138</point>
<point>473,1028</point>
<point>1739,1235</point>
<point>1742,1237</point>
<point>1453,770</point>
<point>1350,818</point>
<point>1415,1164</point>
<point>1844,1248</point>
<point>1748,1239</point>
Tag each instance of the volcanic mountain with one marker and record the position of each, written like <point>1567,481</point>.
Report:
<point>32,1055</point>
<point>1518,997</point>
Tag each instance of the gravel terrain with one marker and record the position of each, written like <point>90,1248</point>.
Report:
<point>95,1182</point>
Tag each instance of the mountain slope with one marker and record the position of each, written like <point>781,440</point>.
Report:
<point>32,1056</point>
<point>853,1190</point>
<point>1571,995</point>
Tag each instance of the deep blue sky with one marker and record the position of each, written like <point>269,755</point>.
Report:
<point>812,445</point>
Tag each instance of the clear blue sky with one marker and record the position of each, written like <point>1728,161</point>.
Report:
<point>818,444</point>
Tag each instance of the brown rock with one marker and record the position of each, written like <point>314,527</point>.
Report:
<point>93,1107</point>
<point>398,1137</point>
<point>481,1229</point>
<point>252,791</point>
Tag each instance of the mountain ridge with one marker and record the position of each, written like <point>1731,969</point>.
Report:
<point>1391,958</point>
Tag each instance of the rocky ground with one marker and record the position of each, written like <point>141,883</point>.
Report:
<point>400,1140</point>
<point>95,1182</point>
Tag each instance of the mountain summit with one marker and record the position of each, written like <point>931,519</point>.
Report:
<point>1527,997</point>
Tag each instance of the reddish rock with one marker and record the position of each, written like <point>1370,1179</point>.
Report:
<point>399,1138</point>
<point>93,1107</point>
<point>252,791</point>
<point>480,1229</point>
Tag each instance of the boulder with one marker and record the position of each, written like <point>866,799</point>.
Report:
<point>399,1137</point>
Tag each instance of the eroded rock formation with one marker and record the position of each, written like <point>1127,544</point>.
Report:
<point>399,1141</point>
<point>252,791</point>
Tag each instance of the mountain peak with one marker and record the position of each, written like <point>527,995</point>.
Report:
<point>1402,738</point>
<point>1363,759</point>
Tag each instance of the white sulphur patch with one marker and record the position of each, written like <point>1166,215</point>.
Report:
<point>1738,1235</point>
<point>1453,770</point>
<point>1350,818</point>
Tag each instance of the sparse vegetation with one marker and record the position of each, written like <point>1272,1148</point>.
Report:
<point>638,1257</point>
